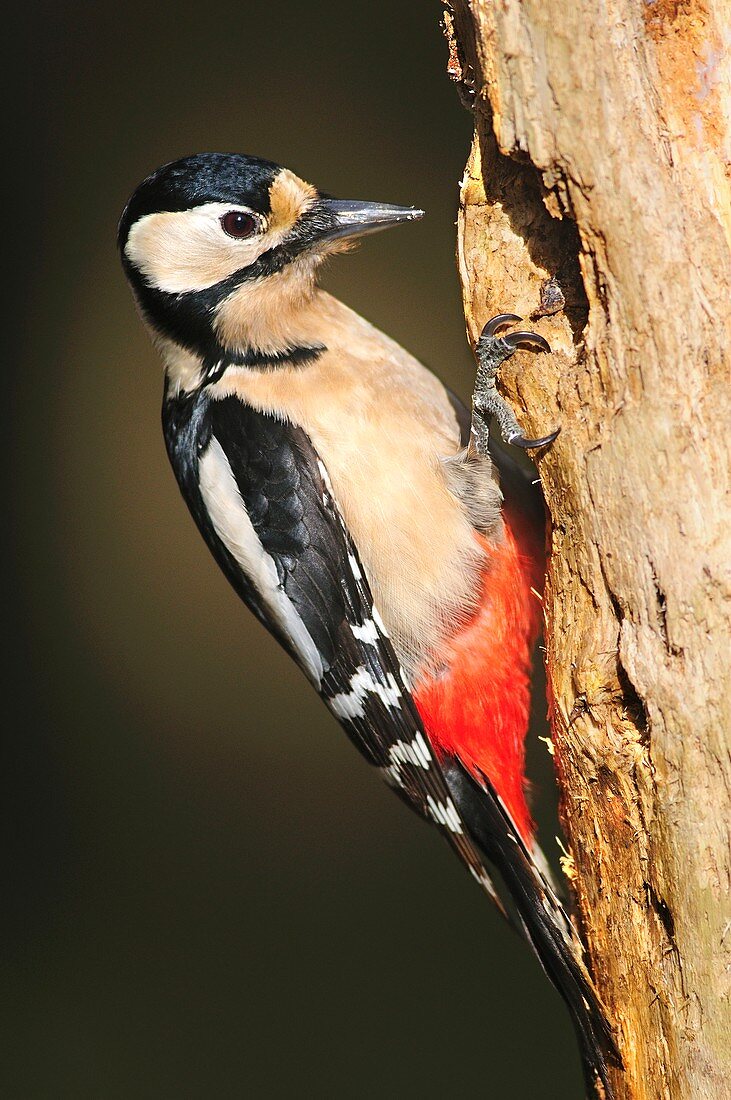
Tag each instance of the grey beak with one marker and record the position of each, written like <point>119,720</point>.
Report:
<point>354,218</point>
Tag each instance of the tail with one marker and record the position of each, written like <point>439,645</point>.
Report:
<point>540,915</point>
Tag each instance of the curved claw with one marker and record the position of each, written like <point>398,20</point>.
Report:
<point>518,440</point>
<point>497,322</point>
<point>532,339</point>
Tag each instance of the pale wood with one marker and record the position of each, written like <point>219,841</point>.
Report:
<point>601,158</point>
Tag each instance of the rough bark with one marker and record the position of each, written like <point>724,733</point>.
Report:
<point>600,161</point>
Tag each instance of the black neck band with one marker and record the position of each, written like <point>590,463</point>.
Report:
<point>215,366</point>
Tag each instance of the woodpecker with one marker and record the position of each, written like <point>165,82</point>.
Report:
<point>358,509</point>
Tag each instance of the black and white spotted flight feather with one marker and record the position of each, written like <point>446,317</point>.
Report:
<point>284,490</point>
<point>262,500</point>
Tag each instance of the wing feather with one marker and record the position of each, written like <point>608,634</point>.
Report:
<point>284,487</point>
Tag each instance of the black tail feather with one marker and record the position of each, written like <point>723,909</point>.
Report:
<point>540,914</point>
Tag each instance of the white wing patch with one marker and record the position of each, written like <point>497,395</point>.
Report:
<point>368,632</point>
<point>445,813</point>
<point>231,523</point>
<point>414,752</point>
<point>350,704</point>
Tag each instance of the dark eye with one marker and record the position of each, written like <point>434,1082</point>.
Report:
<point>238,224</point>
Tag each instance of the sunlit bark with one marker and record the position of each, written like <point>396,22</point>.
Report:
<point>600,160</point>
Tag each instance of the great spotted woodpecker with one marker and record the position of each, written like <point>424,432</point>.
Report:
<point>354,506</point>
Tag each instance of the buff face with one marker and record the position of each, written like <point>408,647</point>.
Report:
<point>200,235</point>
<point>183,251</point>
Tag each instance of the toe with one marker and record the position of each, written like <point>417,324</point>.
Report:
<point>497,322</point>
<point>527,339</point>
<point>518,440</point>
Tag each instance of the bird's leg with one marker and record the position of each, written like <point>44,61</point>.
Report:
<point>492,351</point>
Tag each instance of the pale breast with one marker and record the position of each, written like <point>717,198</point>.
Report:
<point>382,424</point>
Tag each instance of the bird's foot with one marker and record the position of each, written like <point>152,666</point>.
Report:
<point>492,351</point>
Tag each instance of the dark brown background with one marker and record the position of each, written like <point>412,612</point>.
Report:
<point>210,894</point>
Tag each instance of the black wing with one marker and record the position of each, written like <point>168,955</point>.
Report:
<point>271,520</point>
<point>303,579</point>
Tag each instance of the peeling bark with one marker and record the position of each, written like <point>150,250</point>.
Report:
<point>600,162</point>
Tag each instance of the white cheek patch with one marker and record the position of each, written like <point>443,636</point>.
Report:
<point>187,250</point>
<point>231,523</point>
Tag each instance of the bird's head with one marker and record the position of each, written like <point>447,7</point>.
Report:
<point>214,243</point>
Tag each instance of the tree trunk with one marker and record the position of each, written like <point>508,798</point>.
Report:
<point>600,162</point>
